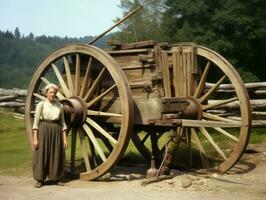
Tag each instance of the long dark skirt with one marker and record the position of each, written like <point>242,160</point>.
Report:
<point>49,158</point>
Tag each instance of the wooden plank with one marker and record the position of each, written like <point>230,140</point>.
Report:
<point>166,74</point>
<point>128,51</point>
<point>206,123</point>
<point>176,58</point>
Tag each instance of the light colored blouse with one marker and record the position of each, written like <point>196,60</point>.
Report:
<point>49,111</point>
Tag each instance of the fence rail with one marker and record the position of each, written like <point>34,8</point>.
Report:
<point>15,99</point>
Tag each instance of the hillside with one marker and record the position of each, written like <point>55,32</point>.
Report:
<point>21,55</point>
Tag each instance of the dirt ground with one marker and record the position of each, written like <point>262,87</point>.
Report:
<point>247,180</point>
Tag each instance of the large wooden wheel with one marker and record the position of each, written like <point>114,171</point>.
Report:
<point>97,103</point>
<point>218,130</point>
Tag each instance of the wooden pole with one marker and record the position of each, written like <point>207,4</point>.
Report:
<point>115,25</point>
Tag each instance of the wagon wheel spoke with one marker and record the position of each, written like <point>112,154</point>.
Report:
<point>213,89</point>
<point>86,77</point>
<point>226,133</point>
<point>58,94</point>
<point>68,74</point>
<point>94,141</point>
<point>77,75</point>
<point>200,148</point>
<point>39,96</point>
<point>202,80</point>
<point>101,130</point>
<point>65,89</point>
<point>94,85</point>
<point>73,149</point>
<point>84,149</point>
<point>102,95</point>
<point>219,103</point>
<point>210,139</point>
<point>218,118</point>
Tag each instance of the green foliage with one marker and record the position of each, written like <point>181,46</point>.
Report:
<point>20,56</point>
<point>234,28</point>
<point>145,25</point>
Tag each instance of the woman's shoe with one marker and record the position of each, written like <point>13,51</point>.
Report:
<point>60,183</point>
<point>39,184</point>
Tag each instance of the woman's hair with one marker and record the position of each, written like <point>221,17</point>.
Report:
<point>47,87</point>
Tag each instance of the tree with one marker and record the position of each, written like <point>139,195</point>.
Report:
<point>144,25</point>
<point>8,35</point>
<point>17,33</point>
<point>235,28</point>
<point>31,36</point>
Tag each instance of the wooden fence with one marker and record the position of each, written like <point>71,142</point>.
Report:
<point>14,99</point>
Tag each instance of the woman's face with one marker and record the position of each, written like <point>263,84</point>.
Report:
<point>51,93</point>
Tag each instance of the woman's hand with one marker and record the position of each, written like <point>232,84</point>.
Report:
<point>65,139</point>
<point>35,142</point>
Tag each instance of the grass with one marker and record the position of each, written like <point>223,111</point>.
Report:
<point>16,155</point>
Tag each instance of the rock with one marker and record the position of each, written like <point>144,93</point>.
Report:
<point>186,182</point>
<point>215,175</point>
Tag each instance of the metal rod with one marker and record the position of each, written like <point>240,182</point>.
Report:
<point>116,24</point>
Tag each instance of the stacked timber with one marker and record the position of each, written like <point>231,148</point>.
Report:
<point>13,99</point>
<point>257,95</point>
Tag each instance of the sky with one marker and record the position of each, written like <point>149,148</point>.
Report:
<point>71,18</point>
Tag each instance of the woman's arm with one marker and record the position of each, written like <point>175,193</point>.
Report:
<point>35,141</point>
<point>35,127</point>
<point>64,127</point>
<point>65,139</point>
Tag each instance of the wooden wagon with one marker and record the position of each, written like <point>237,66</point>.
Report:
<point>156,87</point>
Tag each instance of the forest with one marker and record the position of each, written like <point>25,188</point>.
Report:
<point>234,28</point>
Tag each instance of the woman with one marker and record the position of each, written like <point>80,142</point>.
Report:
<point>49,139</point>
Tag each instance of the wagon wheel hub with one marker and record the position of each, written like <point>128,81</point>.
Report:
<point>193,109</point>
<point>179,107</point>
<point>75,111</point>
